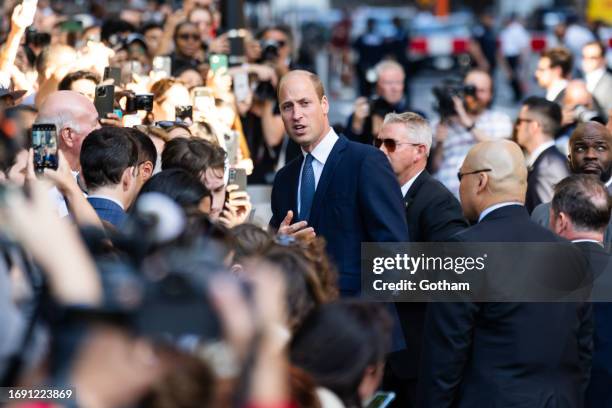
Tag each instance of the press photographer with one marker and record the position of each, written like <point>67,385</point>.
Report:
<point>465,119</point>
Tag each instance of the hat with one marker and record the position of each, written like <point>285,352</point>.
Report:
<point>13,94</point>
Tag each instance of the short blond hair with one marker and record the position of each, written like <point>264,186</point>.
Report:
<point>417,127</point>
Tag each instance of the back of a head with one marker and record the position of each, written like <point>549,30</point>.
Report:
<point>62,109</point>
<point>66,83</point>
<point>560,57</point>
<point>585,200</point>
<point>576,93</point>
<point>105,155</point>
<point>192,155</point>
<point>146,147</point>
<point>508,171</point>
<point>54,56</point>
<point>250,240</point>
<point>547,113</point>
<point>181,186</point>
<point>334,346</point>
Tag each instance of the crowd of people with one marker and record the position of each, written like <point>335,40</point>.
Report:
<point>131,270</point>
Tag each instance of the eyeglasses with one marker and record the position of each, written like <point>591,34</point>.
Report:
<point>185,37</point>
<point>391,144</point>
<point>520,120</point>
<point>460,175</point>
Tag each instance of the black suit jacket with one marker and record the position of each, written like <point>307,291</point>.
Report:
<point>599,393</point>
<point>357,200</point>
<point>506,354</point>
<point>548,169</point>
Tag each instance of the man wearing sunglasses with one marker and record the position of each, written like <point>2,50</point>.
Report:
<point>516,354</point>
<point>433,214</point>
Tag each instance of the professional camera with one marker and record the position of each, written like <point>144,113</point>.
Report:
<point>135,103</point>
<point>444,94</point>
<point>269,50</point>
<point>584,114</point>
<point>37,39</point>
<point>265,91</point>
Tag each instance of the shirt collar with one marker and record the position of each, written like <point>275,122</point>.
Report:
<point>322,151</point>
<point>609,182</point>
<point>497,206</point>
<point>409,184</point>
<point>555,89</point>
<point>538,151</point>
<point>588,240</point>
<point>114,200</point>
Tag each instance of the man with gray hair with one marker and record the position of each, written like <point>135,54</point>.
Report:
<point>433,214</point>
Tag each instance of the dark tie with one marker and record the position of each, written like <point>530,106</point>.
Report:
<point>307,188</point>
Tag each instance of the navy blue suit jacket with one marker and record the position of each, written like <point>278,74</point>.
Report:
<point>358,199</point>
<point>108,210</point>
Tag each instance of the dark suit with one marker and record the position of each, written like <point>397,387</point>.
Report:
<point>602,93</point>
<point>506,354</point>
<point>433,215</point>
<point>599,393</point>
<point>108,210</point>
<point>357,200</point>
<point>559,98</point>
<point>549,168</point>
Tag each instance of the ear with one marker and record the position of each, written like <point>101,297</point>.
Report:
<point>146,169</point>
<point>126,178</point>
<point>483,182</point>
<point>325,104</point>
<point>66,137</point>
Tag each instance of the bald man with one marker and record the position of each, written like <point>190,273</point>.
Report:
<point>503,354</point>
<point>74,117</point>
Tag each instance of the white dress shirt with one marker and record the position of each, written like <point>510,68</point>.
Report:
<point>592,78</point>
<point>497,206</point>
<point>555,89</point>
<point>538,151</point>
<point>409,184</point>
<point>319,155</point>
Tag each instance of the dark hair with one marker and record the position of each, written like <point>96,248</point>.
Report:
<point>194,155</point>
<point>548,114</point>
<point>146,147</point>
<point>105,154</point>
<point>250,240</point>
<point>602,48</point>
<point>114,26</point>
<point>283,28</point>
<point>150,26</point>
<point>181,186</point>
<point>585,200</point>
<point>68,80</point>
<point>181,25</point>
<point>560,57</point>
<point>334,345</point>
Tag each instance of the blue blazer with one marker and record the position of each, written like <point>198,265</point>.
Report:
<point>358,199</point>
<point>108,211</point>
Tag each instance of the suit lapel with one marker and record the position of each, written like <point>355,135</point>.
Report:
<point>326,177</point>
<point>414,188</point>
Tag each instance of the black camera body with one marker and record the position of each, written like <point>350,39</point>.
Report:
<point>37,39</point>
<point>269,50</point>
<point>135,103</point>
<point>445,92</point>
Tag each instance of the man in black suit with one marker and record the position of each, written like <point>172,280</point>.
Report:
<point>554,68</point>
<point>503,354</point>
<point>590,152</point>
<point>536,126</point>
<point>433,214</point>
<point>342,190</point>
<point>580,213</point>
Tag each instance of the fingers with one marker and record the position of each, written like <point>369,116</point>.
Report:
<point>287,221</point>
<point>305,234</point>
<point>293,228</point>
<point>30,172</point>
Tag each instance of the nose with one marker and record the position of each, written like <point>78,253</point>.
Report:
<point>297,113</point>
<point>590,153</point>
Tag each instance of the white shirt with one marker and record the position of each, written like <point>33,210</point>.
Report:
<point>409,184</point>
<point>592,78</point>
<point>555,89</point>
<point>114,200</point>
<point>609,182</point>
<point>58,198</point>
<point>514,39</point>
<point>538,151</point>
<point>319,155</point>
<point>588,240</point>
<point>494,207</point>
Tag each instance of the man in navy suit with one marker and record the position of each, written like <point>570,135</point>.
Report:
<point>338,189</point>
<point>109,166</point>
<point>503,354</point>
<point>580,212</point>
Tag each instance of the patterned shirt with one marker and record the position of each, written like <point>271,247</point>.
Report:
<point>496,125</point>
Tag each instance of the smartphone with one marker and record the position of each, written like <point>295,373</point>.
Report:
<point>104,100</point>
<point>238,177</point>
<point>203,102</point>
<point>44,144</point>
<point>241,86</point>
<point>113,73</point>
<point>381,400</point>
<point>231,147</point>
<point>217,61</point>
<point>72,26</point>
<point>183,112</point>
<point>163,64</point>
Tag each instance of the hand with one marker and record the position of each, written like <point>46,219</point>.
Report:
<point>265,73</point>
<point>220,82</point>
<point>246,164</point>
<point>361,108</point>
<point>299,230</point>
<point>464,118</point>
<point>23,15</point>
<point>219,45</point>
<point>62,178</point>
<point>112,119</point>
<point>237,208</point>
<point>441,132</point>
<point>175,19</point>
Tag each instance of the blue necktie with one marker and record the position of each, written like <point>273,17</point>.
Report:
<point>307,188</point>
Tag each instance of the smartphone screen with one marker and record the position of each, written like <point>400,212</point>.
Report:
<point>381,400</point>
<point>162,64</point>
<point>203,102</point>
<point>183,113</point>
<point>44,144</point>
<point>217,61</point>
<point>231,147</point>
<point>241,86</point>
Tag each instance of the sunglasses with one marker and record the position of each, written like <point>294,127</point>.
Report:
<point>390,144</point>
<point>460,175</point>
<point>185,37</point>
